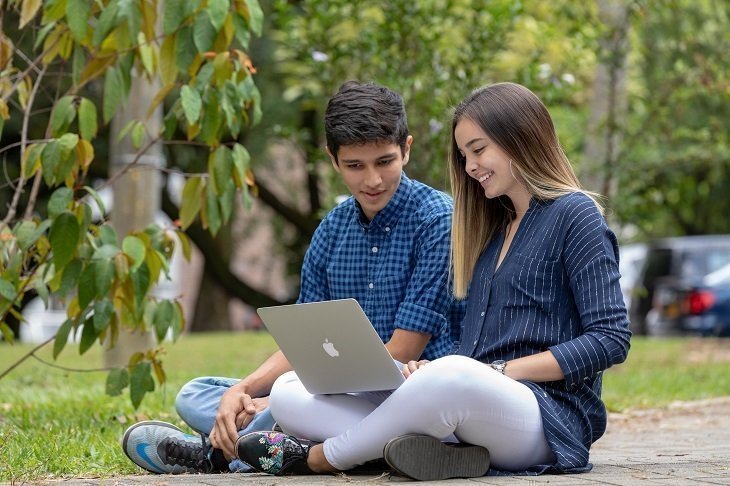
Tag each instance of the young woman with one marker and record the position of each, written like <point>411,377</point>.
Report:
<point>545,316</point>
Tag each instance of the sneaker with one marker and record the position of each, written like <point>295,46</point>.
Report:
<point>162,448</point>
<point>426,458</point>
<point>274,452</point>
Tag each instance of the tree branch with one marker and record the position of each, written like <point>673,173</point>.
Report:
<point>26,356</point>
<point>303,222</point>
<point>23,141</point>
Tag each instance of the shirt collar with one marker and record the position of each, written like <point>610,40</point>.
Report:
<point>389,215</point>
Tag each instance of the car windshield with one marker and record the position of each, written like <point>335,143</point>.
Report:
<point>697,264</point>
<point>718,277</point>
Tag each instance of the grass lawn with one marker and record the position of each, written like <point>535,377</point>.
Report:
<point>55,423</point>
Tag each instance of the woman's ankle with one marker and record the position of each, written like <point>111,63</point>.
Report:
<point>317,462</point>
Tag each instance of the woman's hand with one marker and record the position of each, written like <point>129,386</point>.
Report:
<point>412,366</point>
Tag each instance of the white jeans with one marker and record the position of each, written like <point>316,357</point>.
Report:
<point>451,395</point>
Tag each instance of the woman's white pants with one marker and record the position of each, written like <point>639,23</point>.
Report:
<point>451,397</point>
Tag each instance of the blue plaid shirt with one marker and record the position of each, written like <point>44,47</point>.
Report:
<point>396,266</point>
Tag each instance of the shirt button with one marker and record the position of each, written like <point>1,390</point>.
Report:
<point>370,285</point>
<point>387,229</point>
<point>475,342</point>
<point>375,249</point>
<point>482,314</point>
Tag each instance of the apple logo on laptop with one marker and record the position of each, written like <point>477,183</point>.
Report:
<point>329,348</point>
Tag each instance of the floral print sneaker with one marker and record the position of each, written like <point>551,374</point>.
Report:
<point>273,452</point>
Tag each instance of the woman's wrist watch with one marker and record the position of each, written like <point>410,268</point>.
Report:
<point>499,365</point>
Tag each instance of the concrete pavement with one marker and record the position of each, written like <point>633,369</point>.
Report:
<point>685,443</point>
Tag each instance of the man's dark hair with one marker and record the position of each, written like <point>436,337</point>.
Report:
<point>362,113</point>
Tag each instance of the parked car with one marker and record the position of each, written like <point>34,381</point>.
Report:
<point>673,265</point>
<point>702,308</point>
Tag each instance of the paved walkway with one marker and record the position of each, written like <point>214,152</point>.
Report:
<point>687,443</point>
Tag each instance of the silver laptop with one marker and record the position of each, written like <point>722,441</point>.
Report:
<point>332,346</point>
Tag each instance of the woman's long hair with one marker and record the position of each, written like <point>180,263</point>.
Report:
<point>516,120</point>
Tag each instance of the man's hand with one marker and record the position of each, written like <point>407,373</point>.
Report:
<point>412,366</point>
<point>235,411</point>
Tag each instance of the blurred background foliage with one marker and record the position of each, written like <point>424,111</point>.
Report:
<point>667,175</point>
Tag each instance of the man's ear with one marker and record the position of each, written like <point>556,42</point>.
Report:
<point>332,159</point>
<point>407,150</point>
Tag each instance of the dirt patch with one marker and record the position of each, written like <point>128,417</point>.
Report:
<point>677,415</point>
<point>708,350</point>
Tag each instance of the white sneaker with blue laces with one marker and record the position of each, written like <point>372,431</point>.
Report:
<point>162,448</point>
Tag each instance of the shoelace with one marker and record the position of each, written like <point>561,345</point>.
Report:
<point>179,452</point>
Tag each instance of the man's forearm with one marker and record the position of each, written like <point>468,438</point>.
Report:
<point>260,381</point>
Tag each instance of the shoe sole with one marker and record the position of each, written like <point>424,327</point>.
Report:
<point>128,432</point>
<point>426,458</point>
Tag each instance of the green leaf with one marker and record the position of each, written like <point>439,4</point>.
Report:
<point>134,247</point>
<point>173,15</point>
<point>227,202</point>
<point>212,212</point>
<point>163,318</point>
<point>60,201</point>
<point>70,277</point>
<point>185,245</point>
<point>50,157</point>
<point>241,163</point>
<point>108,235</point>
<point>256,16</point>
<point>191,103</point>
<point>8,290</point>
<point>217,12</point>
<point>32,159</point>
<point>140,282</point>
<point>220,164</point>
<point>64,238</point>
<point>87,286</point>
<point>138,133</point>
<point>113,93</point>
<point>77,16</point>
<point>184,48</point>
<point>240,28</point>
<point>191,201</point>
<point>103,310</point>
<point>103,276</point>
<point>106,252</point>
<point>63,115</point>
<point>7,332</point>
<point>203,32</point>
<point>107,21</point>
<point>116,381</point>
<point>78,62</point>
<point>41,289</point>
<point>26,235</point>
<point>88,336</point>
<point>97,198</point>
<point>61,337</point>
<point>168,62</point>
<point>140,383</point>
<point>67,142</point>
<point>178,321</point>
<point>212,120</point>
<point>88,126</point>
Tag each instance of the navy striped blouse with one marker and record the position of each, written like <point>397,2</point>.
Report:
<point>557,289</point>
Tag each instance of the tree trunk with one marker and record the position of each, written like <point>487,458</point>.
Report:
<point>136,192</point>
<point>609,100</point>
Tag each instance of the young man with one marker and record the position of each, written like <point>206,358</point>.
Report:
<point>387,246</point>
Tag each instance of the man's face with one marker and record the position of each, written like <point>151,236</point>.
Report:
<point>371,172</point>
